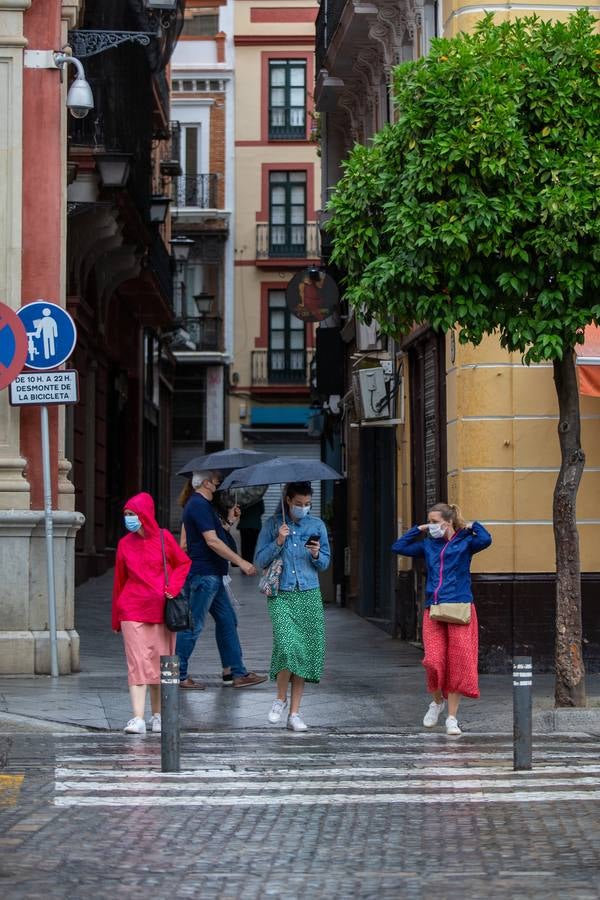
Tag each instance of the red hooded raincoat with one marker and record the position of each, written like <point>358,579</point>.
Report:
<point>139,585</point>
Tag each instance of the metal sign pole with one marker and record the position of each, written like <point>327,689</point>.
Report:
<point>49,540</point>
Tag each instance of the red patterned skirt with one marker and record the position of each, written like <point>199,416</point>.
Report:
<point>451,653</point>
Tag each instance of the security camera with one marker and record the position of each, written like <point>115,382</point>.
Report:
<point>314,273</point>
<point>80,98</point>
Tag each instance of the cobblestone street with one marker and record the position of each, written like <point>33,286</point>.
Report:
<point>329,814</point>
<point>364,805</point>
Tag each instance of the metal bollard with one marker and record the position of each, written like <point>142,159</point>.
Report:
<point>169,705</point>
<point>522,682</point>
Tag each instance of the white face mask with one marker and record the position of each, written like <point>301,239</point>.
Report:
<point>436,530</point>
<point>299,512</point>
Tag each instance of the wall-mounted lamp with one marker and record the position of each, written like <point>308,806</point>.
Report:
<point>113,168</point>
<point>170,168</point>
<point>159,207</point>
<point>161,11</point>
<point>79,98</point>
<point>180,247</point>
<point>203,303</point>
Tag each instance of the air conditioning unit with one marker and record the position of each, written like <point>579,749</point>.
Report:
<point>367,336</point>
<point>372,393</point>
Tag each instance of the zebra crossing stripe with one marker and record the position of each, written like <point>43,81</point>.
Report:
<point>331,799</point>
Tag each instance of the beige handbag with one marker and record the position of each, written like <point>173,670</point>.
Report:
<point>452,613</point>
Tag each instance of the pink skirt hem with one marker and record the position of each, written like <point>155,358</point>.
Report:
<point>145,643</point>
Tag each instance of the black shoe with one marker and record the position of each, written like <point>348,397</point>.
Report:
<point>228,680</point>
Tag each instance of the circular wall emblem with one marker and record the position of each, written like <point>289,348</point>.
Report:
<point>312,295</point>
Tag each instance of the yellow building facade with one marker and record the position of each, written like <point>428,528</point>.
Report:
<point>480,428</point>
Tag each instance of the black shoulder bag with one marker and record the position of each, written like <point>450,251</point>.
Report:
<point>178,613</point>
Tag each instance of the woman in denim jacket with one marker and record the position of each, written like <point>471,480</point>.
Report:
<point>447,545</point>
<point>297,610</point>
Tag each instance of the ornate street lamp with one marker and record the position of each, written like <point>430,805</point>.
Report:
<point>180,248</point>
<point>159,207</point>
<point>161,11</point>
<point>113,168</point>
<point>203,303</point>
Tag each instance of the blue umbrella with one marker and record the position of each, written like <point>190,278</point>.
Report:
<point>281,470</point>
<point>223,461</point>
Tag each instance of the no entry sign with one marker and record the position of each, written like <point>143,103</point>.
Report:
<point>13,345</point>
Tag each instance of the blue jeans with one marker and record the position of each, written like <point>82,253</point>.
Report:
<point>207,594</point>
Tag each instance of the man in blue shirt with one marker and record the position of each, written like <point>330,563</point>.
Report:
<point>207,545</point>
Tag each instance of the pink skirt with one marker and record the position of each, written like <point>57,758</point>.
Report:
<point>145,643</point>
<point>451,653</point>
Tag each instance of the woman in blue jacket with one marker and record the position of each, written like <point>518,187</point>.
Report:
<point>297,610</point>
<point>447,544</point>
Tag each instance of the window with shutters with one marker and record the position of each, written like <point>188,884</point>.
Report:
<point>287,214</point>
<point>287,343</point>
<point>287,99</point>
<point>201,22</point>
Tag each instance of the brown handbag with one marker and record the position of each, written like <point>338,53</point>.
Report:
<point>452,613</point>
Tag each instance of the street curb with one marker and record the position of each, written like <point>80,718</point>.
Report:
<point>35,724</point>
<point>565,720</point>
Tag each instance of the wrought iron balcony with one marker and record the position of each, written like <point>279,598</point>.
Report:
<point>192,334</point>
<point>328,19</point>
<point>281,367</point>
<point>197,191</point>
<point>288,241</point>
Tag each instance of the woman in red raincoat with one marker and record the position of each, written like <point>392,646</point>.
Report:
<point>139,604</point>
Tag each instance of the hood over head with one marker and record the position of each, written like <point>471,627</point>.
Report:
<point>143,506</point>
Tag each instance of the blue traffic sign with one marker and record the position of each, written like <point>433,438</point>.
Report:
<point>51,334</point>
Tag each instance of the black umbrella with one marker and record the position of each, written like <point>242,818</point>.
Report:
<point>223,461</point>
<point>281,470</point>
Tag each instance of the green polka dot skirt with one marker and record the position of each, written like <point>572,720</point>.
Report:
<point>298,633</point>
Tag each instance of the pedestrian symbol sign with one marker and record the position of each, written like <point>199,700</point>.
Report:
<point>51,334</point>
<point>13,345</point>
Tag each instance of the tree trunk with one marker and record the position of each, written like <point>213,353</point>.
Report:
<point>570,673</point>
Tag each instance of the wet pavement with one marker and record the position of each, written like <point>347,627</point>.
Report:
<point>370,680</point>
<point>364,805</point>
<point>329,814</point>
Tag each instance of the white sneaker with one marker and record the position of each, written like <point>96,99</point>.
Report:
<point>156,723</point>
<point>135,726</point>
<point>276,711</point>
<point>295,723</point>
<point>433,713</point>
<point>452,726</point>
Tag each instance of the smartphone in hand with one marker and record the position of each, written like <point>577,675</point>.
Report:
<point>313,539</point>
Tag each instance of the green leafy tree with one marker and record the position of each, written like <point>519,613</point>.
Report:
<point>479,208</point>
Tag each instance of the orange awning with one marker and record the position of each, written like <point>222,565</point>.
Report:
<point>588,362</point>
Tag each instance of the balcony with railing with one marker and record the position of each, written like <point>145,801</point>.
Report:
<point>276,242</point>
<point>195,191</point>
<point>281,367</point>
<point>194,334</point>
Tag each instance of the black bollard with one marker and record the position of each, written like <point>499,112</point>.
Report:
<point>169,705</point>
<point>522,682</point>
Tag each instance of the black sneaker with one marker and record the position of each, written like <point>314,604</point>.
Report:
<point>228,680</point>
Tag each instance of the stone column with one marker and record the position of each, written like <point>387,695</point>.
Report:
<point>32,256</point>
